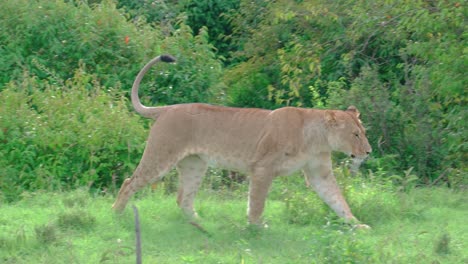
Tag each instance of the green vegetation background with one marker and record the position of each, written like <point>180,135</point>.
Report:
<point>66,68</point>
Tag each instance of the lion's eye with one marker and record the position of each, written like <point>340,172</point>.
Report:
<point>356,135</point>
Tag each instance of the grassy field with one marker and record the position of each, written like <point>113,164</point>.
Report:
<point>422,225</point>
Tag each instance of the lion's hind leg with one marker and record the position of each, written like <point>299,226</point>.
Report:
<point>134,184</point>
<point>148,171</point>
<point>191,171</point>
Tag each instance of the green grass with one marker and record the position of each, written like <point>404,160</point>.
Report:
<point>419,226</point>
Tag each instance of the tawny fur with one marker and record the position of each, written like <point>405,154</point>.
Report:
<point>262,143</point>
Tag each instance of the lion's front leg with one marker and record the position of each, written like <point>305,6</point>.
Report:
<point>319,176</point>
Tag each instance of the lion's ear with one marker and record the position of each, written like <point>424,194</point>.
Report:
<point>352,109</point>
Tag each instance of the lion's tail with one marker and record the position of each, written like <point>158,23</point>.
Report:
<point>150,112</point>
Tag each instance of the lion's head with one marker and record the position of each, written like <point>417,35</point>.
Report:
<point>346,133</point>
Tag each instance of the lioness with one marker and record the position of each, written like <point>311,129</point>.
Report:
<point>261,143</point>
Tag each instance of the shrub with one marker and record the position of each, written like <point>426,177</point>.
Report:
<point>49,39</point>
<point>63,136</point>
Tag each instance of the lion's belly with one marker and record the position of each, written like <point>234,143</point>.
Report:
<point>281,166</point>
<point>235,163</point>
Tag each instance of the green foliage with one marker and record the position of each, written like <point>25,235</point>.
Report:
<point>214,15</point>
<point>406,182</point>
<point>241,92</point>
<point>50,39</point>
<point>160,11</point>
<point>60,137</point>
<point>196,75</point>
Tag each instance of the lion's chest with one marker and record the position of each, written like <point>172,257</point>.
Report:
<point>290,164</point>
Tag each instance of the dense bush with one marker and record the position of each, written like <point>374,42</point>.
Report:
<point>65,136</point>
<point>212,16</point>
<point>50,39</point>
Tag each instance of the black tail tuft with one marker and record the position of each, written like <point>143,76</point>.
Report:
<point>168,58</point>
